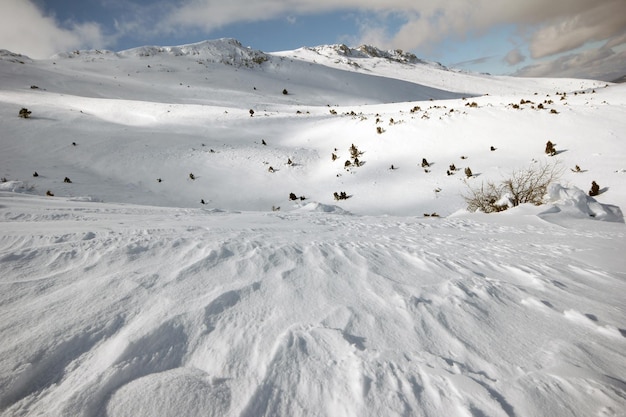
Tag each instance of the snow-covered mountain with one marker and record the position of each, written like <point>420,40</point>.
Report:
<point>172,243</point>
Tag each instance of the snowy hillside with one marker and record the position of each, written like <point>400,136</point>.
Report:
<point>171,243</point>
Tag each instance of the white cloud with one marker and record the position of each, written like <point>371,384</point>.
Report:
<point>616,41</point>
<point>607,19</point>
<point>602,64</point>
<point>514,57</point>
<point>26,30</point>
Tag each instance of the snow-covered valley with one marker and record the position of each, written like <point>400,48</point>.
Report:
<point>173,274</point>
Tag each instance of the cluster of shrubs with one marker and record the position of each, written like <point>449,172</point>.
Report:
<point>539,106</point>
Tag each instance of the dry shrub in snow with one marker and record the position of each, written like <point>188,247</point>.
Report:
<point>531,184</point>
<point>528,185</point>
<point>486,198</point>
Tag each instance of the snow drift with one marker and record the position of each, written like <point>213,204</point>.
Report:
<point>576,203</point>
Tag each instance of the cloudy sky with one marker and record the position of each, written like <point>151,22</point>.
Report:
<point>560,38</point>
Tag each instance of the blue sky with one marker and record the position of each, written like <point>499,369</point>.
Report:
<point>557,38</point>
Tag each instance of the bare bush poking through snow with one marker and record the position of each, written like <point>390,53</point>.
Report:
<point>531,184</point>
<point>24,113</point>
<point>485,199</point>
<point>528,185</point>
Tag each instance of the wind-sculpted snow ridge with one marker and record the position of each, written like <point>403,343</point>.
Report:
<point>117,310</point>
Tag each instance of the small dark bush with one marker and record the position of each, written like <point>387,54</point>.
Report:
<point>341,195</point>
<point>24,113</point>
<point>354,152</point>
<point>595,189</point>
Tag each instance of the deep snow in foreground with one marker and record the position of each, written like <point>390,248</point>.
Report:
<point>126,310</point>
<point>125,296</point>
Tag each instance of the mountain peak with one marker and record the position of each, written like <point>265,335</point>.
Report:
<point>6,55</point>
<point>369,51</point>
<point>225,50</point>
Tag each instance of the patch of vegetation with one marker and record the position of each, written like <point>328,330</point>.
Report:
<point>523,186</point>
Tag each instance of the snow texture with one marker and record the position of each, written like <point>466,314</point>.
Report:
<point>176,274</point>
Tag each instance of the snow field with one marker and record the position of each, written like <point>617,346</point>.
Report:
<point>123,295</point>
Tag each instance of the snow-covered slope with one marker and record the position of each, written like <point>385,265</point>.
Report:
<point>124,295</point>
